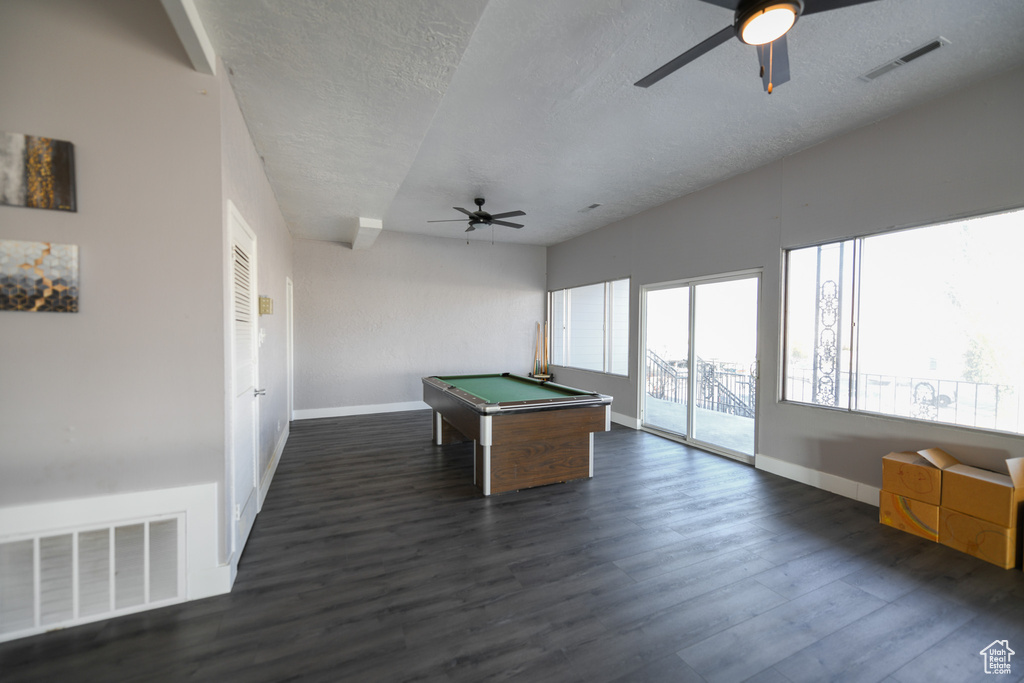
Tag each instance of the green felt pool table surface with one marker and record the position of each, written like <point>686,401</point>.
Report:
<point>503,388</point>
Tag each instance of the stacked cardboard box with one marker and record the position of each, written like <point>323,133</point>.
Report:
<point>931,494</point>
<point>911,493</point>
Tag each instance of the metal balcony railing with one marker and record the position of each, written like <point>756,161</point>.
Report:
<point>724,387</point>
<point>969,404</point>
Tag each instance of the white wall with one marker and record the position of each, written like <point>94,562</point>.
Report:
<point>959,155</point>
<point>127,394</point>
<point>369,324</point>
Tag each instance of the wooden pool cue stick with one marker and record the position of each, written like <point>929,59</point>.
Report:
<point>537,351</point>
<point>546,349</point>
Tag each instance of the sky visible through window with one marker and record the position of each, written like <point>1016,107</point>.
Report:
<point>940,330</point>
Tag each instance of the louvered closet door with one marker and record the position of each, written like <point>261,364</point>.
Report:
<point>245,378</point>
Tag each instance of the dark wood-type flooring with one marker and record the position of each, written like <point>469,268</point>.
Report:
<point>374,559</point>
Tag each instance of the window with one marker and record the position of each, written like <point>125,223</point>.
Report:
<point>589,327</point>
<point>922,324</point>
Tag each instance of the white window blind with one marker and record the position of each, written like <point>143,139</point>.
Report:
<point>588,327</point>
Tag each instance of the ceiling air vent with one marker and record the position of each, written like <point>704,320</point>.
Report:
<point>930,46</point>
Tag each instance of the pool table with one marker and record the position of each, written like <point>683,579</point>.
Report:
<point>526,432</point>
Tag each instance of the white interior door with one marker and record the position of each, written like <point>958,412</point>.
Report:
<point>245,378</point>
<point>290,344</point>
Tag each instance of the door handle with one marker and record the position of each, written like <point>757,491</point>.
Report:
<point>259,392</point>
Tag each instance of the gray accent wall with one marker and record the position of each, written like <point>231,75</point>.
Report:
<point>369,324</point>
<point>129,394</point>
<point>960,155</point>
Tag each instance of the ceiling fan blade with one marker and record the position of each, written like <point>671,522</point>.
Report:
<point>471,228</point>
<point>465,211</point>
<point>774,59</point>
<point>506,224</point>
<point>813,6</point>
<point>507,214</point>
<point>450,220</point>
<point>727,4</point>
<point>682,60</point>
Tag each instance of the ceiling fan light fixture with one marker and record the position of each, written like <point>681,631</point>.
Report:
<point>765,22</point>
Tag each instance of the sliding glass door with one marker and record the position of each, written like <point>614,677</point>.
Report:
<point>666,375</point>
<point>725,350</point>
<point>700,361</point>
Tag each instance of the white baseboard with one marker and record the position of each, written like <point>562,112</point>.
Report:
<point>275,460</point>
<point>625,420</point>
<point>822,480</point>
<point>345,411</point>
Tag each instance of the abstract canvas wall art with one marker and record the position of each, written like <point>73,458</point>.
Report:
<point>37,172</point>
<point>38,276</point>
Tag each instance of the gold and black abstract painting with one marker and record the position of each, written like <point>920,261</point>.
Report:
<point>38,276</point>
<point>37,172</point>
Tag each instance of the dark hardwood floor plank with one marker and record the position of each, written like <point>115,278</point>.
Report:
<point>833,606</point>
<point>376,559</point>
<point>880,643</point>
<point>622,651</point>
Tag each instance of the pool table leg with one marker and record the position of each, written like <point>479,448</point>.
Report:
<point>485,449</point>
<point>607,428</point>
<point>438,426</point>
<point>591,454</point>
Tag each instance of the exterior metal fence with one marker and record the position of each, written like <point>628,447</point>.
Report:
<point>969,404</point>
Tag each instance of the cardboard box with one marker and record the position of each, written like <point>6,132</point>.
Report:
<point>938,457</point>
<point>913,476</point>
<point>907,514</point>
<point>980,493</point>
<point>990,496</point>
<point>978,537</point>
<point>979,511</point>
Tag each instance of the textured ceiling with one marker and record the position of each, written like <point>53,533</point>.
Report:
<point>401,109</point>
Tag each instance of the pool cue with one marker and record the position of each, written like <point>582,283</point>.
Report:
<point>536,352</point>
<point>546,349</point>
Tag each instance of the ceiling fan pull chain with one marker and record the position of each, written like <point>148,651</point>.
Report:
<point>771,53</point>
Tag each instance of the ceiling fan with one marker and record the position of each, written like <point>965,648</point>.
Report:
<point>481,217</point>
<point>763,23</point>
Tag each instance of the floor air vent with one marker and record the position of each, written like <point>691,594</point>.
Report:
<point>53,580</point>
<point>930,46</point>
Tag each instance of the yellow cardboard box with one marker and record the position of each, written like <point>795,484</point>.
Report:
<point>980,510</point>
<point>907,514</point>
<point>977,492</point>
<point>978,537</point>
<point>986,495</point>
<point>913,476</point>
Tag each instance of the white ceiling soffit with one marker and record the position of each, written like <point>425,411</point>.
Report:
<point>403,109</point>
